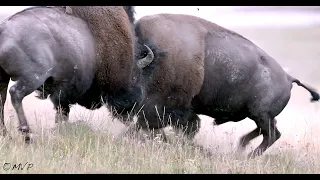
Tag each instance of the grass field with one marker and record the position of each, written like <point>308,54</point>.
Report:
<point>75,148</point>
<point>90,143</point>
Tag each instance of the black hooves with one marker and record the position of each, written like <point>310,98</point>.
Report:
<point>28,138</point>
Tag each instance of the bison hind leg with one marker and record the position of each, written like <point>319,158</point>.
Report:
<point>4,82</point>
<point>245,139</point>
<point>267,127</point>
<point>24,86</point>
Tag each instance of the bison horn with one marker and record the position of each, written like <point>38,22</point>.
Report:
<point>142,63</point>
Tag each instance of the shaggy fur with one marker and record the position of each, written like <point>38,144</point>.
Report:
<point>115,42</point>
<point>207,69</point>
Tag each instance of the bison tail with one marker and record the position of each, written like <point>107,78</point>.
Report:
<point>315,95</point>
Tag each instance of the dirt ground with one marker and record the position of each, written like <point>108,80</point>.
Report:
<point>296,49</point>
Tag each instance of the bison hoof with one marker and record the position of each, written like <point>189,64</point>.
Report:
<point>61,118</point>
<point>29,138</point>
<point>242,146</point>
<point>255,153</point>
<point>26,133</point>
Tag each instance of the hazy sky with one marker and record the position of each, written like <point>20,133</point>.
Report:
<point>227,16</point>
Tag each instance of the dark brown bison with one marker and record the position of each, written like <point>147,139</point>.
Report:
<point>202,68</point>
<point>79,56</point>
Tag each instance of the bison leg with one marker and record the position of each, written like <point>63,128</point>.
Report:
<point>61,106</point>
<point>270,135</point>
<point>190,129</point>
<point>244,140</point>
<point>133,128</point>
<point>22,88</point>
<point>62,114</point>
<point>192,126</point>
<point>154,132</point>
<point>162,133</point>
<point>4,81</point>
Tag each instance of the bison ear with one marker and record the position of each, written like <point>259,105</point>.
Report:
<point>142,63</point>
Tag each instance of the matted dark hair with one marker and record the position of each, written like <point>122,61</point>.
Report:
<point>130,10</point>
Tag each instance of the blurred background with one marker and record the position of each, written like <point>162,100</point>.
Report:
<point>290,34</point>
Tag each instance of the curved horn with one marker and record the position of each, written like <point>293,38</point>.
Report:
<point>142,63</point>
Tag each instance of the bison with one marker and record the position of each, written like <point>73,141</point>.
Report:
<point>200,67</point>
<point>78,55</point>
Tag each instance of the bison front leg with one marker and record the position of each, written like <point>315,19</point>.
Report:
<point>62,114</point>
<point>186,121</point>
<point>191,126</point>
<point>134,128</point>
<point>60,102</point>
<point>23,87</point>
<point>131,130</point>
<point>160,132</point>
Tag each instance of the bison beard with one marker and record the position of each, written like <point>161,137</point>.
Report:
<point>212,71</point>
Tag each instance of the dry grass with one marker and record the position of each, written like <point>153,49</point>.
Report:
<point>76,148</point>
